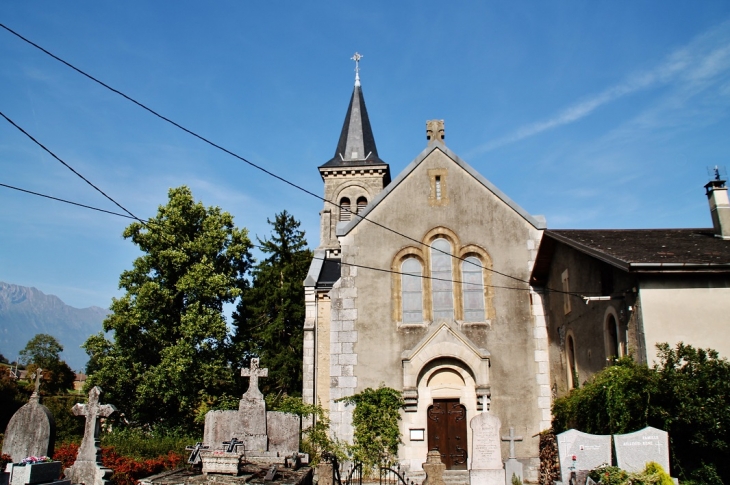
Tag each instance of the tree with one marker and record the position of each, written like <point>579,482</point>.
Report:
<point>43,351</point>
<point>12,396</point>
<point>170,348</point>
<point>269,320</point>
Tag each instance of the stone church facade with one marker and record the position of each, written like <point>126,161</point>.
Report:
<point>421,283</point>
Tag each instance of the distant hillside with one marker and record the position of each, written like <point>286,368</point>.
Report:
<point>25,312</point>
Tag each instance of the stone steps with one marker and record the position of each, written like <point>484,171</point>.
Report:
<point>451,477</point>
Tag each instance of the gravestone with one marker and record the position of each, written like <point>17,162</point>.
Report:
<point>32,429</point>
<point>87,468</point>
<point>512,466</point>
<point>267,436</point>
<point>580,451</point>
<point>283,432</point>
<point>486,455</point>
<point>635,450</point>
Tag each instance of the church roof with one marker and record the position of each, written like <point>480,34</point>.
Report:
<point>356,146</point>
<point>644,250</point>
<point>538,222</point>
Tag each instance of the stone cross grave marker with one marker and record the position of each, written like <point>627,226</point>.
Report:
<point>589,450</point>
<point>253,374</point>
<point>486,456</point>
<point>512,466</point>
<point>635,450</point>
<point>37,375</point>
<point>87,468</point>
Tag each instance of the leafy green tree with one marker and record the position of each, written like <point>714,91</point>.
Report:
<point>42,350</point>
<point>13,396</point>
<point>170,347</point>
<point>270,317</point>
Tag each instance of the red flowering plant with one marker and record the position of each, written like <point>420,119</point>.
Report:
<point>4,460</point>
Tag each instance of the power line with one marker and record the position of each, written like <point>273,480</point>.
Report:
<point>67,201</point>
<point>67,165</point>
<point>147,223</point>
<point>258,167</point>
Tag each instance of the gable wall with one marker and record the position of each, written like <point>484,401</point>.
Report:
<point>478,217</point>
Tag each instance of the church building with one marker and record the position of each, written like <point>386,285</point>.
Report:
<point>421,282</point>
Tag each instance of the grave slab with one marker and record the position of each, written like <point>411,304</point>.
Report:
<point>486,456</point>
<point>589,450</point>
<point>635,450</point>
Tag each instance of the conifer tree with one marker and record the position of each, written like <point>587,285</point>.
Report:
<point>269,319</point>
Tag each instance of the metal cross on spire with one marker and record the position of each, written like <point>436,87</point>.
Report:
<point>357,58</point>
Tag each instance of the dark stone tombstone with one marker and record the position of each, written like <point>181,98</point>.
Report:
<point>194,458</point>
<point>271,473</point>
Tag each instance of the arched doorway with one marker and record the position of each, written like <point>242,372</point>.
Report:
<point>446,420</point>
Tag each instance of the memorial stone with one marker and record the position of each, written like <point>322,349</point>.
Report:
<point>252,409</point>
<point>283,432</point>
<point>486,456</point>
<point>434,469</point>
<point>32,429</point>
<point>582,451</point>
<point>635,450</point>
<point>88,469</point>
<point>512,466</point>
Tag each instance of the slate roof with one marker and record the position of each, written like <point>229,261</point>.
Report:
<point>356,136</point>
<point>641,250</point>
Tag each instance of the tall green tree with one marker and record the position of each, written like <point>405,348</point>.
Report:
<point>170,347</point>
<point>269,319</point>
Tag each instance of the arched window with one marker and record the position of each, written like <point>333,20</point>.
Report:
<point>345,213</point>
<point>472,289</point>
<point>612,347</point>
<point>441,274</point>
<point>361,203</point>
<point>572,368</point>
<point>412,291</point>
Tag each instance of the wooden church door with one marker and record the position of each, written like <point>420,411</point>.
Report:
<point>447,432</point>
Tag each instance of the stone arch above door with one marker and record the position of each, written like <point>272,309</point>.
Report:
<point>445,342</point>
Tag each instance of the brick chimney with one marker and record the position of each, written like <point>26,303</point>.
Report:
<point>719,205</point>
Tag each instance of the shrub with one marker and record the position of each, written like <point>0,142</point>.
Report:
<point>687,394</point>
<point>375,419</point>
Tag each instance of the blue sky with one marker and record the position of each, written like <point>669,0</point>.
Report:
<point>594,114</point>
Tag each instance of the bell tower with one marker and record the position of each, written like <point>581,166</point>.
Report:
<point>355,175</point>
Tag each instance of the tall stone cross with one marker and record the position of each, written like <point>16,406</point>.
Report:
<point>37,375</point>
<point>253,374</point>
<point>89,450</point>
<point>512,438</point>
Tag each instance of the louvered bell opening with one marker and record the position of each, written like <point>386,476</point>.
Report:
<point>361,203</point>
<point>345,213</point>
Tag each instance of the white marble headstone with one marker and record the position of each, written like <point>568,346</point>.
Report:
<point>486,454</point>
<point>589,450</point>
<point>635,450</point>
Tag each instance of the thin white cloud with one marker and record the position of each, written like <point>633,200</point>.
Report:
<point>695,65</point>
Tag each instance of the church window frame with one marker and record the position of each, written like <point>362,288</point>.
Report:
<point>614,335</point>
<point>571,360</point>
<point>397,291</point>
<point>362,202</point>
<point>345,210</point>
<point>442,284</point>
<point>439,194</point>
<point>485,261</point>
<point>412,290</point>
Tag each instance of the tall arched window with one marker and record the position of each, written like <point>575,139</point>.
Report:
<point>345,213</point>
<point>472,289</point>
<point>572,367</point>
<point>412,292</point>
<point>361,203</point>
<point>612,347</point>
<point>441,274</point>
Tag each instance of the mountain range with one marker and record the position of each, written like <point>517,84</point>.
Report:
<point>25,312</point>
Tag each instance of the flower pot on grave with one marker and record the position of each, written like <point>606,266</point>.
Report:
<point>221,462</point>
<point>34,473</point>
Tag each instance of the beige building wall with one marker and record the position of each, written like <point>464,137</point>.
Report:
<point>672,312</point>
<point>365,315</point>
